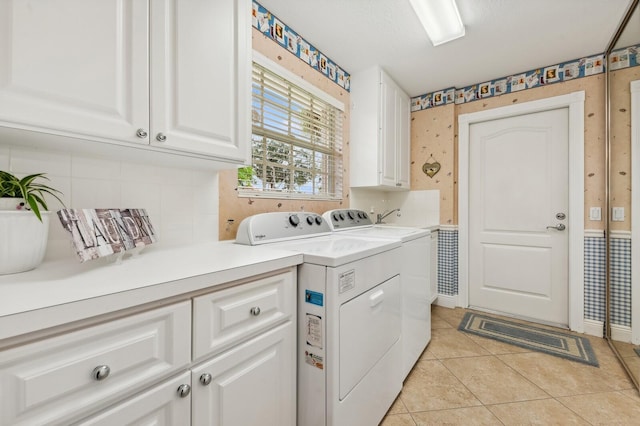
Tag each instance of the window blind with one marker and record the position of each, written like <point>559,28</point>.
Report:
<point>296,141</point>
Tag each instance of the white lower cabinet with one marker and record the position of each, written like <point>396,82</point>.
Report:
<point>252,384</point>
<point>140,369</point>
<point>63,377</point>
<point>161,405</point>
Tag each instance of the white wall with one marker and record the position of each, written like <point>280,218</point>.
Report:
<point>417,208</point>
<point>182,203</point>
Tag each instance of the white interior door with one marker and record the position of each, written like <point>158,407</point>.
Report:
<point>518,216</point>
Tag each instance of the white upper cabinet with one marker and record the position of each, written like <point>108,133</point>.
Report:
<point>169,74</point>
<point>200,76</point>
<point>380,121</point>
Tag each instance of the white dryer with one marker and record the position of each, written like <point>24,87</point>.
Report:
<point>415,275</point>
<point>349,317</point>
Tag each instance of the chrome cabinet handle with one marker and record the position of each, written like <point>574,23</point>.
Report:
<point>101,372</point>
<point>205,379</point>
<point>161,137</point>
<point>141,133</point>
<point>558,227</point>
<point>255,311</point>
<point>184,391</point>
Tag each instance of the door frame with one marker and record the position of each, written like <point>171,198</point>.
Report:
<point>635,210</point>
<point>575,103</point>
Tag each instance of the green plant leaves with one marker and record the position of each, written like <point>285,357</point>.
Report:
<point>28,189</point>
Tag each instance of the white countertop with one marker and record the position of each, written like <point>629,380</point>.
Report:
<point>63,291</point>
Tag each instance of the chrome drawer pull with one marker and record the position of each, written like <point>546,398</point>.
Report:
<point>184,391</point>
<point>101,372</point>
<point>255,311</point>
<point>205,379</point>
<point>141,133</point>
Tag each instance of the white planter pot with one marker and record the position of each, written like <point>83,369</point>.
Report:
<point>23,240</point>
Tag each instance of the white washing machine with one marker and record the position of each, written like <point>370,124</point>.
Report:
<point>415,275</point>
<point>349,317</point>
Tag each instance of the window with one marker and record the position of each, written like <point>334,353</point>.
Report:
<point>296,140</point>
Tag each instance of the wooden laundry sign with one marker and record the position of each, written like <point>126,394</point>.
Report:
<point>103,232</point>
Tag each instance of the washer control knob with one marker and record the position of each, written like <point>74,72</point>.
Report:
<point>294,220</point>
<point>310,220</point>
<point>318,220</point>
<point>341,216</point>
<point>351,215</point>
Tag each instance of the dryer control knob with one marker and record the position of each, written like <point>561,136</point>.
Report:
<point>351,215</point>
<point>318,220</point>
<point>310,220</point>
<point>294,220</point>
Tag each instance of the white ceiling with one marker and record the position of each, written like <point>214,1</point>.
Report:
<point>503,37</point>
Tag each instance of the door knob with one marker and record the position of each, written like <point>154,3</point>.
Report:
<point>559,227</point>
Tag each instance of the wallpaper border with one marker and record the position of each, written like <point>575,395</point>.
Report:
<point>269,25</point>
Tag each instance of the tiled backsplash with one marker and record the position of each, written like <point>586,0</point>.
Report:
<point>182,203</point>
<point>417,208</point>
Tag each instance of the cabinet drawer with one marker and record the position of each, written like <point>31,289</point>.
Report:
<point>52,380</point>
<point>160,405</point>
<point>228,316</point>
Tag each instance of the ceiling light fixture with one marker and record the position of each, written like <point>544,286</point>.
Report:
<point>440,18</point>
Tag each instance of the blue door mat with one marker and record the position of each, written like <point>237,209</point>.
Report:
<point>564,345</point>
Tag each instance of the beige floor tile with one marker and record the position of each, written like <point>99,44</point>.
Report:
<point>625,349</point>
<point>492,381</point>
<point>431,386</point>
<point>451,343</point>
<point>557,376</point>
<point>397,407</point>
<point>470,416</point>
<point>459,371</point>
<point>633,363</point>
<point>540,412</point>
<point>398,420</point>
<point>608,408</point>
<point>437,322</point>
<point>450,316</point>
<point>427,355</point>
<point>633,394</point>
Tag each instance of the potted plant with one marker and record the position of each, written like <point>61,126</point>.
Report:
<point>24,226</point>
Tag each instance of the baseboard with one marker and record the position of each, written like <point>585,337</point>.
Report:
<point>446,301</point>
<point>593,327</point>
<point>620,333</point>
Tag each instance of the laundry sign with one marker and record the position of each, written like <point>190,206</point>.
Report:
<point>98,233</point>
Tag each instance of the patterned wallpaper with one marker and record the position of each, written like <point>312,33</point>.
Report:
<point>569,70</point>
<point>268,24</point>
<point>288,39</point>
<point>577,68</point>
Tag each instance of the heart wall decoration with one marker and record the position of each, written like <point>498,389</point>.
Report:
<point>430,168</point>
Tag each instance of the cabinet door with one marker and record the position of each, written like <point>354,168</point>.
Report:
<point>387,159</point>
<point>252,384</point>
<point>51,380</point>
<point>161,405</point>
<point>75,67</point>
<point>200,76</point>
<point>403,141</point>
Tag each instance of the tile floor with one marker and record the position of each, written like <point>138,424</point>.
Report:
<point>469,380</point>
